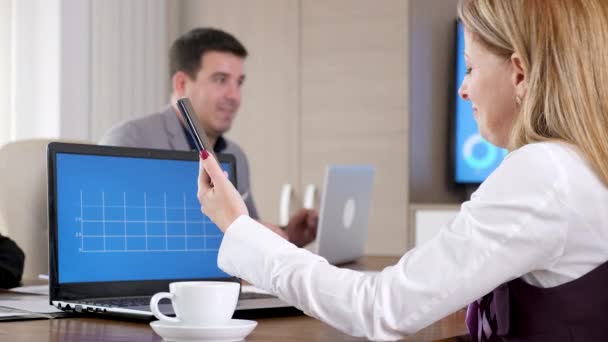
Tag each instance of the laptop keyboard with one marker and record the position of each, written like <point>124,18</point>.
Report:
<point>255,295</point>
<point>145,300</point>
<point>118,302</point>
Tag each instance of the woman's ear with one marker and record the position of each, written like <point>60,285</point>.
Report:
<point>520,82</point>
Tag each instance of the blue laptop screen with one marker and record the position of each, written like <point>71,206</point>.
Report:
<point>123,218</point>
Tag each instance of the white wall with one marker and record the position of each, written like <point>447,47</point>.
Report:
<point>74,64</point>
<point>5,69</point>
<point>129,48</point>
<point>80,66</point>
<point>50,75</point>
<point>36,69</point>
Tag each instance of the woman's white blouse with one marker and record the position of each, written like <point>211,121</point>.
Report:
<point>543,214</point>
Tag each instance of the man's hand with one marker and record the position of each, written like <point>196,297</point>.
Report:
<point>302,227</point>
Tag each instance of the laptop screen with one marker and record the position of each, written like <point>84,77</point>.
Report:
<point>131,218</point>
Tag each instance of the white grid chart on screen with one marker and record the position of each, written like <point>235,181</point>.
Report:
<point>146,236</point>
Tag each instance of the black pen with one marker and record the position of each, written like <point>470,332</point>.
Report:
<point>198,135</point>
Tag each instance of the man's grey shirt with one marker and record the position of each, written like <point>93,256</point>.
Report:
<point>164,131</point>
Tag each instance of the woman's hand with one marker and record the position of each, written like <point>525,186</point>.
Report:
<point>220,201</point>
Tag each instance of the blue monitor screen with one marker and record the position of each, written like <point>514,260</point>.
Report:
<point>123,218</point>
<point>475,158</point>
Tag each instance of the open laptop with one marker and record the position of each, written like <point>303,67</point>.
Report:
<point>344,212</point>
<point>126,222</point>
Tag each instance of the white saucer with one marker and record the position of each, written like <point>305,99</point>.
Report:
<point>234,330</point>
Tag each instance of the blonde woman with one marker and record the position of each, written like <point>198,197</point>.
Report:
<point>528,251</point>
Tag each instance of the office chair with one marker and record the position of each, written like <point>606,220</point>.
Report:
<point>23,201</point>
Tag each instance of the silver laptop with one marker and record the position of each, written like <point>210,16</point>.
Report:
<point>344,213</point>
<point>124,223</point>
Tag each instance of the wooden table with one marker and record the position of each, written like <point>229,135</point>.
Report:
<point>295,328</point>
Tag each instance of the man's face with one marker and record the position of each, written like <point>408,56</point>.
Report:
<point>215,93</point>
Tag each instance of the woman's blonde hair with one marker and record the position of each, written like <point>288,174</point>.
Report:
<point>563,45</point>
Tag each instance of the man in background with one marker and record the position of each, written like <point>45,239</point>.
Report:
<point>207,66</point>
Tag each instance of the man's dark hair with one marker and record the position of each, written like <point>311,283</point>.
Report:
<point>186,52</point>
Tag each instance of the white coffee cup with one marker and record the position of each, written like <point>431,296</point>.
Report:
<point>199,303</point>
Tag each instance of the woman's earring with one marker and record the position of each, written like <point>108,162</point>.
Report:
<point>518,100</point>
